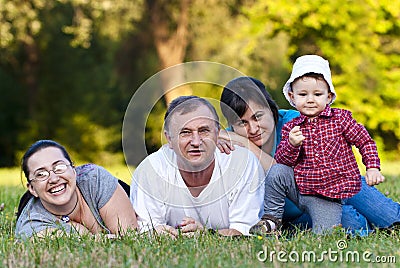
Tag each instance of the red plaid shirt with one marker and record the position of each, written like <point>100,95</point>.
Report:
<point>325,164</point>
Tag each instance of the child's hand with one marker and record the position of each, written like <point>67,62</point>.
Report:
<point>373,177</point>
<point>296,137</point>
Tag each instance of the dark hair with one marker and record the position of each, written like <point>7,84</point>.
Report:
<point>186,104</point>
<point>237,94</point>
<point>37,146</point>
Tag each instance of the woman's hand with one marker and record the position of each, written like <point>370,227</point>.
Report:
<point>227,140</point>
<point>80,228</point>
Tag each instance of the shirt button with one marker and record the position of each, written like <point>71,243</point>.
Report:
<point>316,154</point>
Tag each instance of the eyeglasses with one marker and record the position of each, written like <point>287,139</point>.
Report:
<point>43,174</point>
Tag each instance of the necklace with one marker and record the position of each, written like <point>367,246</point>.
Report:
<point>65,218</point>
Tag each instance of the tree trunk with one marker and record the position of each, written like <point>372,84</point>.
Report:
<point>30,74</point>
<point>171,44</point>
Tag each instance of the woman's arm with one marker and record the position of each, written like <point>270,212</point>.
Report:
<point>118,213</point>
<point>227,139</point>
<point>56,232</point>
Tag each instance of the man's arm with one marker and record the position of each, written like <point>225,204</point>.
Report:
<point>246,205</point>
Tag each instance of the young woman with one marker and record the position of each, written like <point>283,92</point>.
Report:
<point>64,199</point>
<point>256,122</point>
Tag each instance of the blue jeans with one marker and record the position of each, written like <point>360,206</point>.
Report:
<point>369,203</point>
<point>367,209</point>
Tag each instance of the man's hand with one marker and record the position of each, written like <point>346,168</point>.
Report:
<point>190,226</point>
<point>373,177</point>
<point>296,137</point>
<point>166,230</point>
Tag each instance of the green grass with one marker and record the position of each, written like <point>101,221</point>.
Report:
<point>202,251</point>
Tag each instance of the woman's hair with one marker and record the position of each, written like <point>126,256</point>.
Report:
<point>237,94</point>
<point>37,146</point>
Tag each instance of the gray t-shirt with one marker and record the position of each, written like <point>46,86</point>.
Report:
<point>96,185</point>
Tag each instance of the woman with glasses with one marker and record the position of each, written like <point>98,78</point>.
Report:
<point>64,199</point>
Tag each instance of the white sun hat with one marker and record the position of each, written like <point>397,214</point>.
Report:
<point>309,64</point>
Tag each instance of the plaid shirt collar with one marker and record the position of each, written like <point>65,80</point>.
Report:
<point>327,112</point>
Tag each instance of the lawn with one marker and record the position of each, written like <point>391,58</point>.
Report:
<point>205,250</point>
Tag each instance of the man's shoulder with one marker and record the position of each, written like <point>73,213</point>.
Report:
<point>238,152</point>
<point>240,157</point>
<point>159,160</point>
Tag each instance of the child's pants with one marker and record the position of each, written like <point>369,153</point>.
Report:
<point>324,214</point>
<point>280,183</point>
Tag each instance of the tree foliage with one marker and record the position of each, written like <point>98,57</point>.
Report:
<point>361,41</point>
<point>69,67</point>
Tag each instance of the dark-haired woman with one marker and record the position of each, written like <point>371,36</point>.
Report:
<point>256,122</point>
<point>64,199</point>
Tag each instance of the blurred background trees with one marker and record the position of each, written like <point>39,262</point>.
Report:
<point>68,68</point>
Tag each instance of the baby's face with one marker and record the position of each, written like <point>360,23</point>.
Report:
<point>310,96</point>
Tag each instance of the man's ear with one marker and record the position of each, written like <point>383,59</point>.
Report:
<point>32,190</point>
<point>168,139</point>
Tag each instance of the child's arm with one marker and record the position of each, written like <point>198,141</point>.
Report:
<point>288,149</point>
<point>358,135</point>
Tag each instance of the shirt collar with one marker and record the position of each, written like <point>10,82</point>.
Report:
<point>327,112</point>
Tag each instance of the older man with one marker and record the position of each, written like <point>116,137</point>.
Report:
<point>188,185</point>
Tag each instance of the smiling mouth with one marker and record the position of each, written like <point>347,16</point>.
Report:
<point>256,137</point>
<point>58,189</point>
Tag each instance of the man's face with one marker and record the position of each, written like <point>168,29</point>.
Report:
<point>193,137</point>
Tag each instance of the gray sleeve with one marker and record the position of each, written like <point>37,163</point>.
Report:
<point>35,218</point>
<point>97,186</point>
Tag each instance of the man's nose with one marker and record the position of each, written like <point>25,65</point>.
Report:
<point>196,139</point>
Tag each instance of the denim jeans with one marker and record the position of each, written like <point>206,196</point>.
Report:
<point>379,210</point>
<point>367,209</point>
